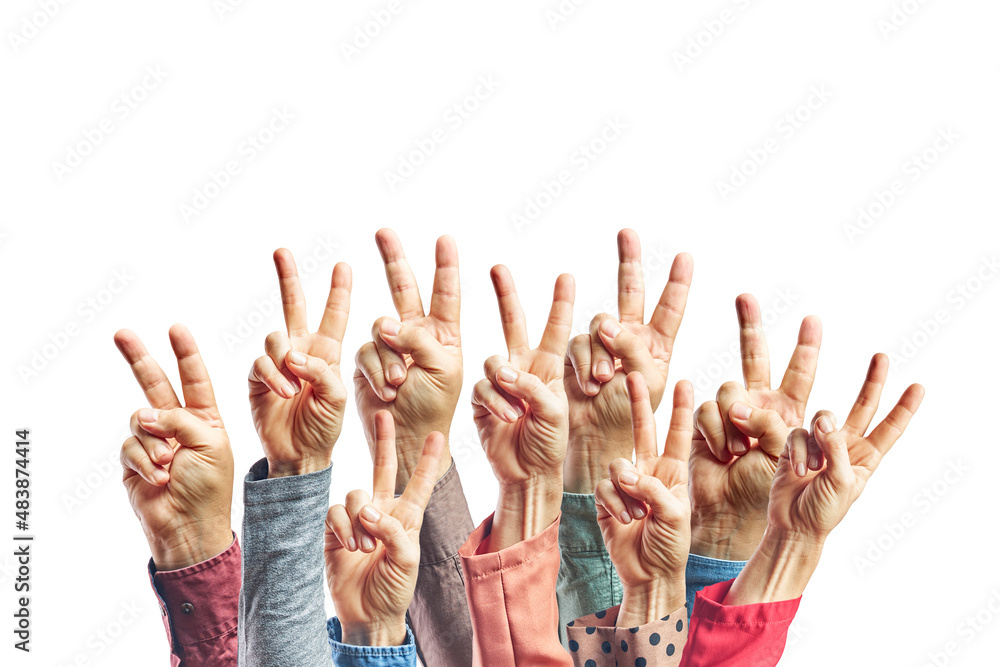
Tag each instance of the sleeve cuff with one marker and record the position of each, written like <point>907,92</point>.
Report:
<point>708,606</point>
<point>703,571</point>
<point>259,490</point>
<point>200,602</point>
<point>447,522</point>
<point>578,527</point>
<point>597,635</point>
<point>348,655</point>
<point>480,565</point>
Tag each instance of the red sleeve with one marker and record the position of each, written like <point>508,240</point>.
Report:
<point>512,600</point>
<point>200,606</point>
<point>751,635</point>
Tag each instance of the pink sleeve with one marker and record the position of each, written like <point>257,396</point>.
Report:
<point>595,640</point>
<point>512,600</point>
<point>200,609</point>
<point>751,635</point>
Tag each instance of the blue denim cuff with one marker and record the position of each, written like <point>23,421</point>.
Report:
<point>703,571</point>
<point>347,655</point>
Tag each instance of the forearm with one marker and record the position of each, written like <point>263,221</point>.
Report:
<point>724,536</point>
<point>779,569</point>
<point>524,510</point>
<point>195,543</point>
<point>282,610</point>
<point>650,601</point>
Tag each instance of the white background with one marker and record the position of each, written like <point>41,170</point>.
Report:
<point>890,88</point>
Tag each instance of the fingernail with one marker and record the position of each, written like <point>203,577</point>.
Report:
<point>626,517</point>
<point>370,513</point>
<point>161,452</point>
<point>396,372</point>
<point>800,469</point>
<point>610,328</point>
<point>510,415</point>
<point>813,462</point>
<point>739,447</point>
<point>352,544</point>
<point>390,327</point>
<point>604,368</point>
<point>287,390</point>
<point>628,478</point>
<point>507,374</point>
<point>367,544</point>
<point>297,358</point>
<point>160,476</point>
<point>740,411</point>
<point>823,424</point>
<point>593,387</point>
<point>638,512</point>
<point>147,415</point>
<point>388,393</point>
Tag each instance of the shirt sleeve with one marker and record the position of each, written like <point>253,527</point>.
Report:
<point>595,641</point>
<point>282,606</point>
<point>439,614</point>
<point>587,580</point>
<point>512,600</point>
<point>200,609</point>
<point>751,635</point>
<point>346,655</point>
<point>703,571</point>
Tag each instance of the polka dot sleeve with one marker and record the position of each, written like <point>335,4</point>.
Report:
<point>595,641</point>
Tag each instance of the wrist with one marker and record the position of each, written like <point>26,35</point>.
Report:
<point>779,569</point>
<point>587,461</point>
<point>726,536</point>
<point>650,601</point>
<point>293,468</point>
<point>194,546</point>
<point>374,633</point>
<point>525,509</point>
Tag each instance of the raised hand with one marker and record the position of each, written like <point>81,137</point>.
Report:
<point>644,511</point>
<point>521,414</point>
<point>598,362</point>
<point>413,366</point>
<point>821,473</point>
<point>731,471</point>
<point>373,547</point>
<point>825,469</point>
<point>297,398</point>
<point>178,465</point>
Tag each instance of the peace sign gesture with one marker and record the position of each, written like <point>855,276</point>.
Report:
<point>597,363</point>
<point>373,544</point>
<point>413,366</point>
<point>825,469</point>
<point>296,395</point>
<point>178,466</point>
<point>643,509</point>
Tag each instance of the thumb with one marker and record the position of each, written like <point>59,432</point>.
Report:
<point>178,423</point>
<point>426,351</point>
<point>765,425</point>
<point>530,389</point>
<point>652,491</point>
<point>316,372</point>
<point>388,530</point>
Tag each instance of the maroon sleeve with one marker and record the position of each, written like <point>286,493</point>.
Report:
<point>200,606</point>
<point>751,635</point>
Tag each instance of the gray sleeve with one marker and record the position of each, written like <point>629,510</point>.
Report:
<point>282,612</point>
<point>439,613</point>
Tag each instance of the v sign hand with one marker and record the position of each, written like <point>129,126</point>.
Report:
<point>297,398</point>
<point>521,414</point>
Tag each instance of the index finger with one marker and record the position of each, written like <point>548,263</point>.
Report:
<point>669,311</point>
<point>555,337</point>
<point>643,423</point>
<point>797,383</point>
<point>515,330</point>
<point>195,382</point>
<point>151,378</point>
<point>418,490</point>
<point>293,300</point>
<point>384,472</point>
<point>446,298</point>
<point>402,283</point>
<point>631,292</point>
<point>338,304</point>
<point>753,346</point>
